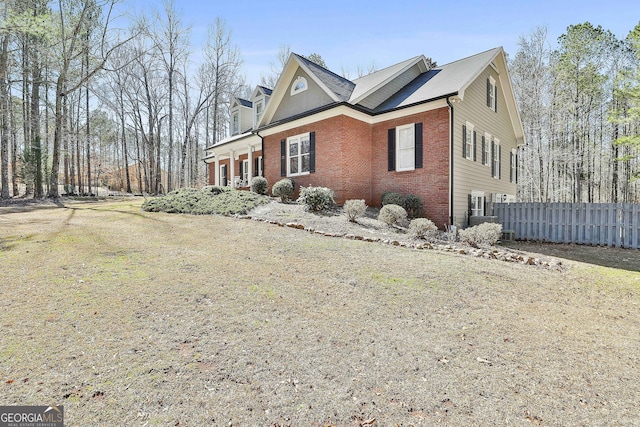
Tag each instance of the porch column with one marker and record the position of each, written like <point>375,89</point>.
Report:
<point>232,168</point>
<point>216,171</point>
<point>250,171</point>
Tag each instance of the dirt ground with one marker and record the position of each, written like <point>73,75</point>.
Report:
<point>134,318</point>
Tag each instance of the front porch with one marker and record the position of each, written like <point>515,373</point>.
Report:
<point>235,161</point>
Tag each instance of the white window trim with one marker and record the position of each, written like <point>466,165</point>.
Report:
<point>469,143</point>
<point>478,211</point>
<point>222,173</point>
<point>487,149</point>
<point>257,116</point>
<point>296,139</point>
<point>235,122</point>
<point>245,171</point>
<point>411,126</point>
<point>259,171</point>
<point>497,159</point>
<point>492,93</point>
<point>294,86</point>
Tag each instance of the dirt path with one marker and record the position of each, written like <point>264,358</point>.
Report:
<point>133,318</point>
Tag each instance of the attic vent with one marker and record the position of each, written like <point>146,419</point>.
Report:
<point>299,85</point>
<point>493,65</point>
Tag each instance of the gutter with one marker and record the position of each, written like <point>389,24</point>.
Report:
<point>451,157</point>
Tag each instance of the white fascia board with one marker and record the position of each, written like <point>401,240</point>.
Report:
<point>287,75</point>
<point>343,110</point>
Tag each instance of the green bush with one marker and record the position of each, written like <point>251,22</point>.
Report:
<point>485,234</point>
<point>422,228</point>
<point>354,209</point>
<point>215,189</point>
<point>413,205</point>
<point>283,189</point>
<point>316,198</point>
<point>392,215</point>
<point>259,185</point>
<point>205,201</point>
<point>392,198</point>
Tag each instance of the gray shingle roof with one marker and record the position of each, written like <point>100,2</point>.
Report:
<point>245,102</point>
<point>340,86</point>
<point>441,81</point>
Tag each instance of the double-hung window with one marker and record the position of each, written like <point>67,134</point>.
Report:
<point>496,154</point>
<point>468,141</point>
<point>405,148</point>
<point>477,203</point>
<point>258,112</point>
<point>486,149</point>
<point>492,94</point>
<point>235,123</point>
<point>298,155</point>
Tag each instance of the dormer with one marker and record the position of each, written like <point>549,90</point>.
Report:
<point>241,113</point>
<point>259,99</point>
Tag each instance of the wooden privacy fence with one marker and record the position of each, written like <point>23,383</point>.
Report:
<point>604,224</point>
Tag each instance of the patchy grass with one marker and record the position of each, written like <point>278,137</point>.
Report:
<point>129,317</point>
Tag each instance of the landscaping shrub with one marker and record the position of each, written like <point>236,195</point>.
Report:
<point>392,198</point>
<point>482,234</point>
<point>259,185</point>
<point>354,209</point>
<point>393,215</point>
<point>422,228</point>
<point>283,189</point>
<point>205,201</point>
<point>316,198</point>
<point>215,189</point>
<point>413,205</point>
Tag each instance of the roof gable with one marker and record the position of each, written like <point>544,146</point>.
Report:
<point>336,88</point>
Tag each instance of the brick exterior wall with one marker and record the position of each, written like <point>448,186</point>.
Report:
<point>431,182</point>
<point>351,159</point>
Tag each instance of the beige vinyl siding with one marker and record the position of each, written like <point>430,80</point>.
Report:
<point>246,118</point>
<point>312,98</point>
<point>385,92</point>
<point>473,175</point>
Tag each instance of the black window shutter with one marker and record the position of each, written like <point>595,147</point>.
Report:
<point>484,155</point>
<point>496,98</point>
<point>474,146</point>
<point>499,161</point>
<point>312,152</point>
<point>418,146</point>
<point>391,148</point>
<point>256,164</point>
<point>464,141</point>
<point>488,93</point>
<point>241,168</point>
<point>516,172</point>
<point>283,157</point>
<point>470,202</point>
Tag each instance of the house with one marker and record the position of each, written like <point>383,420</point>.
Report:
<point>449,134</point>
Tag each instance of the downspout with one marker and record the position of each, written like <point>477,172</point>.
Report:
<point>451,157</point>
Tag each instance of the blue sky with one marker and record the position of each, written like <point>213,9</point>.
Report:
<point>352,34</point>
